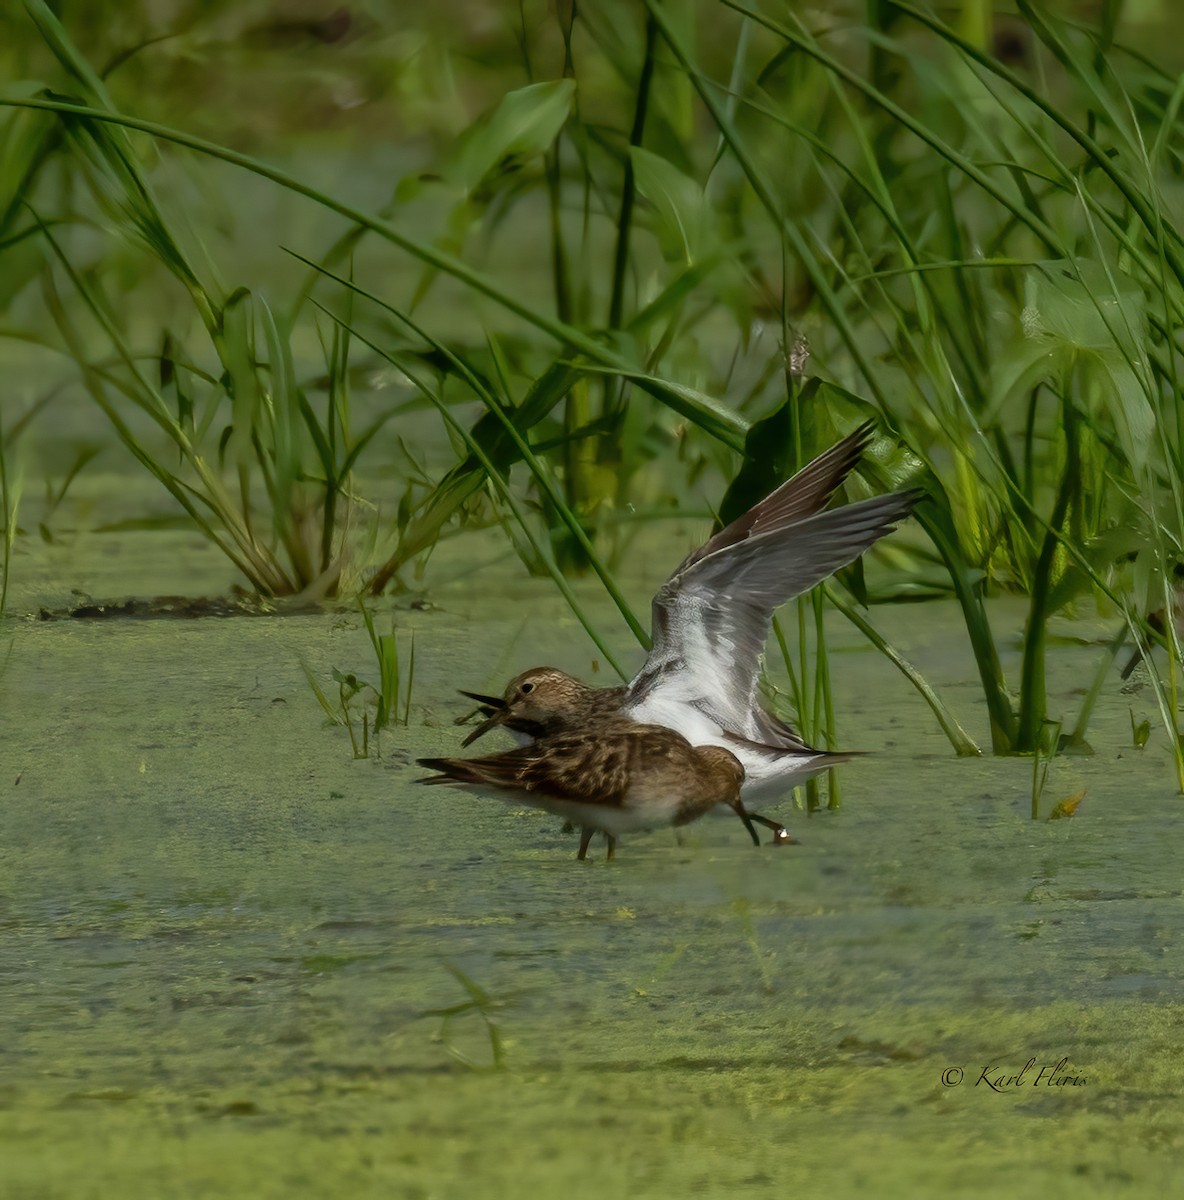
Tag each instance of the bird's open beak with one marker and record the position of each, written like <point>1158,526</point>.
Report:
<point>493,708</point>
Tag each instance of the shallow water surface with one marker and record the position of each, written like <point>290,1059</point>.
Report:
<point>220,935</point>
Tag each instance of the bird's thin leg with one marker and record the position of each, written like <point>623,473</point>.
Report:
<point>585,839</point>
<point>612,847</point>
<point>781,835</point>
<point>742,813</point>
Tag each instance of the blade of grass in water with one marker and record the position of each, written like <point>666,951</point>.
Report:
<point>410,682</point>
<point>1076,739</point>
<point>9,502</point>
<point>964,745</point>
<point>332,712</point>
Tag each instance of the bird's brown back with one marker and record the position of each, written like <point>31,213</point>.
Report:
<point>602,764</point>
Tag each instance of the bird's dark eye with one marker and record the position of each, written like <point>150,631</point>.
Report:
<point>527,688</point>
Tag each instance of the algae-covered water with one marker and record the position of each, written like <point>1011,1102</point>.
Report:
<point>220,934</point>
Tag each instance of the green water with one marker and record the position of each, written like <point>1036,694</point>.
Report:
<point>218,933</point>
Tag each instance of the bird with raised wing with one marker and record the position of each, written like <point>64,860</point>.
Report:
<point>711,620</point>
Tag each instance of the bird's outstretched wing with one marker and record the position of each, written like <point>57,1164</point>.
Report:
<point>714,615</point>
<point>801,496</point>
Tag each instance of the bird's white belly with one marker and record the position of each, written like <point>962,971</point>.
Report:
<point>767,773</point>
<point>640,813</point>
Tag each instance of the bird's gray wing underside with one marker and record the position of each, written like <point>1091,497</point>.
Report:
<point>711,621</point>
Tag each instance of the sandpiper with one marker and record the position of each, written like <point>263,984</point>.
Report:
<point>613,776</point>
<point>710,622</point>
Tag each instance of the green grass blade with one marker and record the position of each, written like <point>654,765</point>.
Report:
<point>331,711</point>
<point>410,682</point>
<point>964,745</point>
<point>9,502</point>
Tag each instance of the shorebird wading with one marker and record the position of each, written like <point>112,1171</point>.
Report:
<point>711,619</point>
<point>614,777</point>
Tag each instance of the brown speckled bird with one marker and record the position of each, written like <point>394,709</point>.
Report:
<point>615,776</point>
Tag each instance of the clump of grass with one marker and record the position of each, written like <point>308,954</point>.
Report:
<point>389,698</point>
<point>263,473</point>
<point>1085,379</point>
<point>386,654</point>
<point>253,423</point>
<point>340,712</point>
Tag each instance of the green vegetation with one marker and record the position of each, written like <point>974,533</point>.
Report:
<point>1046,748</point>
<point>390,697</point>
<point>484,1005</point>
<point>9,496</point>
<point>644,253</point>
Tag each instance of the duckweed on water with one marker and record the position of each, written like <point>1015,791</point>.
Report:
<point>227,947</point>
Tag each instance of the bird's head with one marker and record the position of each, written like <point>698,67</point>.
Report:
<point>539,701</point>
